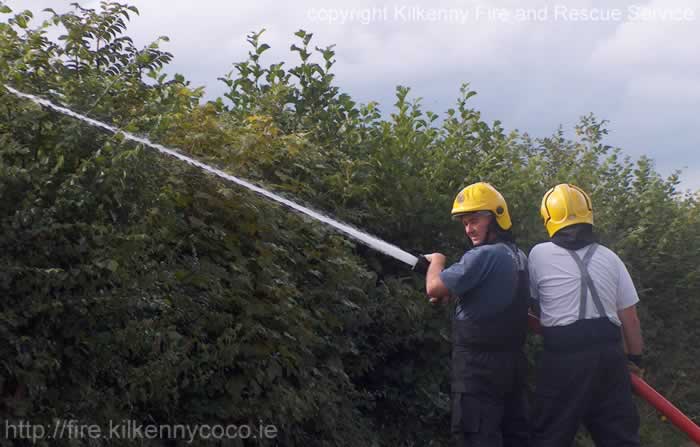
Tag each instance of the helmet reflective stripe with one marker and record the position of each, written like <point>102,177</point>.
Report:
<point>482,197</point>
<point>565,205</point>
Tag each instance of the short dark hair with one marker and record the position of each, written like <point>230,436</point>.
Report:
<point>501,234</point>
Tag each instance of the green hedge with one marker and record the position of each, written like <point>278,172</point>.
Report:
<point>137,288</point>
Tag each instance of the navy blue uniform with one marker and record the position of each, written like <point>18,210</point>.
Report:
<point>489,404</point>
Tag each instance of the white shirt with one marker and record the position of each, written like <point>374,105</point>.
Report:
<point>555,281</point>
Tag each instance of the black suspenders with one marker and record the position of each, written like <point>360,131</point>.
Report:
<point>587,283</point>
<point>516,253</point>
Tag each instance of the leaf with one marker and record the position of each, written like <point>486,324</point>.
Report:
<point>21,21</point>
<point>262,48</point>
<point>59,164</point>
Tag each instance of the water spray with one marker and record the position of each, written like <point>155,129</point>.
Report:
<point>417,263</point>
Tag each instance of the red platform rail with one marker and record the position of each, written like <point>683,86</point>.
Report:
<point>654,398</point>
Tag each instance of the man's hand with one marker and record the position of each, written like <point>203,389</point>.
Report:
<point>438,258</point>
<point>634,364</point>
<point>435,288</point>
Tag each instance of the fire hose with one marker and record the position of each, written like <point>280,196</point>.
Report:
<point>649,394</point>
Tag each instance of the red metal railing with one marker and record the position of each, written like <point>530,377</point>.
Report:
<point>648,393</point>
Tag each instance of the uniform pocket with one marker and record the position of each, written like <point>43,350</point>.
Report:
<point>465,413</point>
<point>474,414</point>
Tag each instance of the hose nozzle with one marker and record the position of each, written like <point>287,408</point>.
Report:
<point>421,265</point>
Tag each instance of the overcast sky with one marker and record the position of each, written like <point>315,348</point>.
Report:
<point>535,64</point>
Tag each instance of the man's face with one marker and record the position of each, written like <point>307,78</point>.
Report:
<point>476,226</point>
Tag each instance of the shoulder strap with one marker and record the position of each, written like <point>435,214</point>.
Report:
<point>587,283</point>
<point>516,254</point>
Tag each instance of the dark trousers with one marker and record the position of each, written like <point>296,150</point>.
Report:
<point>491,407</point>
<point>589,386</point>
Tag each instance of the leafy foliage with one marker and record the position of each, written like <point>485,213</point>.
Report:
<point>136,287</point>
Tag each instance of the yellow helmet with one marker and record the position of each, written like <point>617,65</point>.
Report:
<point>565,205</point>
<point>482,197</point>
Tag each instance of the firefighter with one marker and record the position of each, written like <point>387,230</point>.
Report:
<point>490,289</point>
<point>587,303</point>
